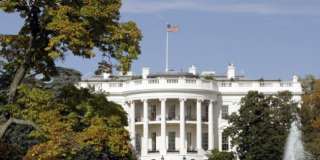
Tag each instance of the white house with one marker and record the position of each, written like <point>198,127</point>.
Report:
<point>181,115</point>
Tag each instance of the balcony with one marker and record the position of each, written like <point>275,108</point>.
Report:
<point>261,86</point>
<point>191,149</point>
<point>152,84</point>
<point>172,151</point>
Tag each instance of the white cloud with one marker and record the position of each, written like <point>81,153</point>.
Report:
<point>262,7</point>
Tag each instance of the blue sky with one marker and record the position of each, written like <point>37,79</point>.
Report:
<point>265,38</point>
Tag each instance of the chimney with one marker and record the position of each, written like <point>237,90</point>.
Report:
<point>295,79</point>
<point>129,73</point>
<point>231,73</point>
<point>145,72</point>
<point>193,70</point>
<point>106,75</point>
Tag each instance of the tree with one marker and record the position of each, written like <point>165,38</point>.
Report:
<point>72,123</point>
<point>53,28</point>
<point>217,155</point>
<point>260,129</point>
<point>103,67</point>
<point>15,142</point>
<point>310,119</point>
<point>308,84</point>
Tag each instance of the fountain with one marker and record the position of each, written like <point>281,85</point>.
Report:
<point>294,147</point>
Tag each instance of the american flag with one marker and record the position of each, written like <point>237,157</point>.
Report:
<point>172,28</point>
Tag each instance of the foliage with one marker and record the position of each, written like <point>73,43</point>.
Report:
<point>217,155</point>
<point>310,118</point>
<point>73,124</point>
<point>9,151</point>
<point>260,129</point>
<point>208,77</point>
<point>308,84</point>
<point>16,142</point>
<point>5,80</point>
<point>103,67</point>
<point>53,28</point>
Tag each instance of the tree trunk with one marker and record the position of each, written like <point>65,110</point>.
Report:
<point>25,65</point>
<point>5,126</point>
<point>18,77</point>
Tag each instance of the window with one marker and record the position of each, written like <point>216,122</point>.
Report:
<point>189,147</point>
<point>138,114</point>
<point>225,112</point>
<point>205,114</point>
<point>225,142</point>
<point>153,113</point>
<point>154,141</point>
<point>172,112</point>
<point>138,143</point>
<point>172,141</point>
<point>205,141</point>
<point>188,117</point>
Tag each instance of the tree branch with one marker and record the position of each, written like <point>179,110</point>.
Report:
<point>6,125</point>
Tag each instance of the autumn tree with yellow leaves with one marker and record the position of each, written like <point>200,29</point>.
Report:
<point>310,116</point>
<point>67,122</point>
<point>54,28</point>
<point>71,123</point>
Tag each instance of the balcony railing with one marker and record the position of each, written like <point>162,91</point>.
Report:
<point>154,83</point>
<point>188,83</point>
<point>191,149</point>
<point>256,84</point>
<point>153,151</point>
<point>172,151</point>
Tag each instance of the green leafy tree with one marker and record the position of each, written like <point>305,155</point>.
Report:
<point>217,155</point>
<point>72,123</point>
<point>310,118</point>
<point>53,28</point>
<point>260,129</point>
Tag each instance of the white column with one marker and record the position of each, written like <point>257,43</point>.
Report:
<point>219,126</point>
<point>199,126</point>
<point>182,126</point>
<point>210,126</point>
<point>132,123</point>
<point>145,127</point>
<point>220,140</point>
<point>126,107</point>
<point>163,150</point>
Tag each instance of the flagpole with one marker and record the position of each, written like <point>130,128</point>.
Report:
<point>167,53</point>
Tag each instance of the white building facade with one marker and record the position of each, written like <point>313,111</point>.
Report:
<point>182,115</point>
